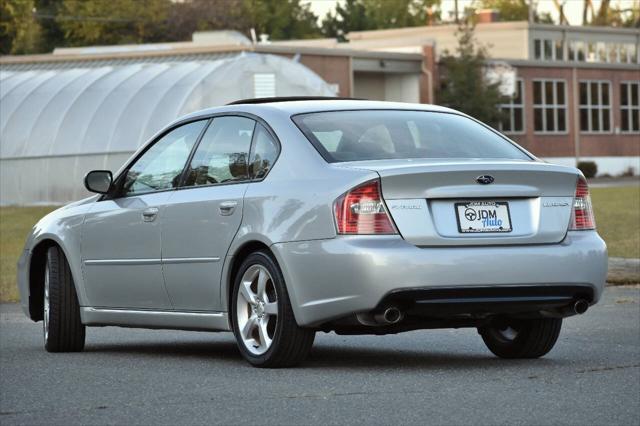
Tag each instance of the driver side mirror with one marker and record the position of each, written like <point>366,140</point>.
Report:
<point>98,181</point>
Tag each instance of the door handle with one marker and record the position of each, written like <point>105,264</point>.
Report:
<point>150,214</point>
<point>227,207</point>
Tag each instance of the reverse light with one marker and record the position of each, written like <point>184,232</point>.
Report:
<point>582,216</point>
<point>362,211</point>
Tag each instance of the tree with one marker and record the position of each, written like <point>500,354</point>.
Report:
<point>347,18</point>
<point>508,10</point>
<point>96,22</point>
<point>463,86</point>
<point>187,17</point>
<point>515,10</point>
<point>52,34</point>
<point>282,19</point>
<point>615,16</point>
<point>398,13</point>
<point>359,15</point>
<point>19,32</point>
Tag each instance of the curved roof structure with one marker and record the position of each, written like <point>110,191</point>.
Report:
<point>117,108</point>
<point>70,120</point>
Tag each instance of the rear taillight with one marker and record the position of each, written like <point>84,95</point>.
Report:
<point>582,216</point>
<point>362,211</point>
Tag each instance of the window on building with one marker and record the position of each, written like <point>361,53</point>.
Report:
<point>577,51</point>
<point>595,106</point>
<point>633,53</point>
<point>549,106</point>
<point>591,52</point>
<point>559,52</point>
<point>630,107</point>
<point>612,52</point>
<point>594,51</point>
<point>537,49</point>
<point>548,49</point>
<point>602,52</point>
<point>513,112</point>
<point>623,57</point>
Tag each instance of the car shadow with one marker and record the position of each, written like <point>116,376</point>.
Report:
<point>182,349</point>
<point>326,356</point>
<point>407,360</point>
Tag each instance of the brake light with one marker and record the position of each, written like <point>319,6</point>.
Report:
<point>582,217</point>
<point>362,211</point>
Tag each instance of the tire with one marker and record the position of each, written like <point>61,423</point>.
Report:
<point>272,339</point>
<point>522,338</point>
<point>62,329</point>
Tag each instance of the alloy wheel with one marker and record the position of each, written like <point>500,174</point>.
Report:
<point>257,309</point>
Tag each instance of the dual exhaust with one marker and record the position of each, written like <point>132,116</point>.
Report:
<point>392,314</point>
<point>580,306</point>
<point>388,315</point>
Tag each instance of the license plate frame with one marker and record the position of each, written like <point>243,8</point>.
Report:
<point>480,209</point>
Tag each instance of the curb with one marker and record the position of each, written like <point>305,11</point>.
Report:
<point>623,271</point>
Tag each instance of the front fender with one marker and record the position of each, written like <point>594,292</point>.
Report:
<point>62,227</point>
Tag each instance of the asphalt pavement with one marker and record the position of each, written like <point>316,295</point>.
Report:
<point>128,376</point>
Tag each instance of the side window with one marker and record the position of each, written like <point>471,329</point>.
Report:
<point>161,166</point>
<point>264,153</point>
<point>222,155</point>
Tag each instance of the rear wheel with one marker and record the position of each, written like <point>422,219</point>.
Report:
<point>531,338</point>
<point>262,317</point>
<point>63,331</point>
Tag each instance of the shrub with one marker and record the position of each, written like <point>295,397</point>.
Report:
<point>628,172</point>
<point>588,168</point>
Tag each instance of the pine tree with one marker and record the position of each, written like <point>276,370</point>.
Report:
<point>463,86</point>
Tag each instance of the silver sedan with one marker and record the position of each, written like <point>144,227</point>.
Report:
<point>278,219</point>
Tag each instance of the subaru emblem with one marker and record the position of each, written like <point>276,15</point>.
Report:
<point>484,179</point>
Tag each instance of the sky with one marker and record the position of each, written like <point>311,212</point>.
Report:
<point>572,8</point>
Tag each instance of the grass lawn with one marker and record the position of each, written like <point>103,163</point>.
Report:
<point>15,223</point>
<point>617,216</point>
<point>617,213</point>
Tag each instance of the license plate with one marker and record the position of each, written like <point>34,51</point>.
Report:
<point>483,216</point>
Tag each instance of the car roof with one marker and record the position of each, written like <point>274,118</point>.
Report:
<point>297,106</point>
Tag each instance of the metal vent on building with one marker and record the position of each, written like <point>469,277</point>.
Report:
<point>264,85</point>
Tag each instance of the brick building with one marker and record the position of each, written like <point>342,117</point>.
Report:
<point>576,92</point>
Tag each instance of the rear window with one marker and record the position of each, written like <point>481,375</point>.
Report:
<point>393,134</point>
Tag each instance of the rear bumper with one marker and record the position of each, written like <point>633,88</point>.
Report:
<point>330,279</point>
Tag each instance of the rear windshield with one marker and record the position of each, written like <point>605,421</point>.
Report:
<point>394,134</point>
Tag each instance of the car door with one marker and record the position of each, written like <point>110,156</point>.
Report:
<point>121,235</point>
<point>201,219</point>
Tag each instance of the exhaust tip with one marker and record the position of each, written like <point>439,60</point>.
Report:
<point>581,306</point>
<point>392,315</point>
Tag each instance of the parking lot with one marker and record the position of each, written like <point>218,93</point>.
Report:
<point>427,377</point>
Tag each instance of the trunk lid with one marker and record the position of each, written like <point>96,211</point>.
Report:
<point>433,201</point>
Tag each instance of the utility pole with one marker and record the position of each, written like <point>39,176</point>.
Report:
<point>532,8</point>
<point>455,11</point>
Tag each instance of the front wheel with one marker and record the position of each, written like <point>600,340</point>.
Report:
<point>262,317</point>
<point>63,331</point>
<point>530,338</point>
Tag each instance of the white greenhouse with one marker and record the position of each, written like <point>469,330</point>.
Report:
<point>58,123</point>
